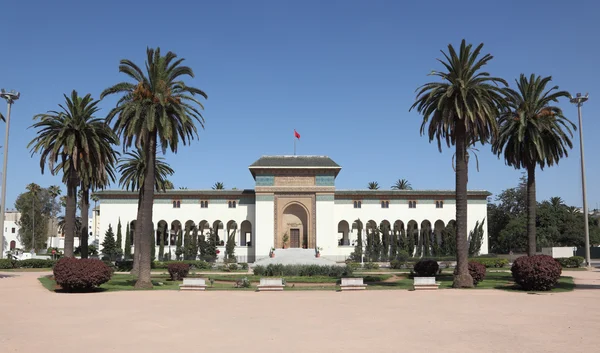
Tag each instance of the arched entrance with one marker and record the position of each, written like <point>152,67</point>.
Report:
<point>294,224</point>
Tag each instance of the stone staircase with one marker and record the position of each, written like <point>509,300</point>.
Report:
<point>295,256</point>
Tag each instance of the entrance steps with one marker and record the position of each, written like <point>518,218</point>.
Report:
<point>295,256</point>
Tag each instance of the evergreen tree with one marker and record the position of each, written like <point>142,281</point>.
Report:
<point>476,238</point>
<point>377,245</point>
<point>449,240</point>
<point>210,251</point>
<point>179,248</point>
<point>109,246</point>
<point>119,237</point>
<point>410,241</point>
<point>419,243</point>
<point>127,250</point>
<point>161,246</point>
<point>202,247</point>
<point>194,244</point>
<point>230,248</point>
<point>385,241</point>
<point>357,254</point>
<point>394,245</point>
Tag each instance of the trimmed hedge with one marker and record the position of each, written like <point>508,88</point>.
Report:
<point>371,266</point>
<point>28,263</point>
<point>490,262</point>
<point>426,268</point>
<point>537,272</point>
<point>571,262</point>
<point>194,264</point>
<point>303,270</point>
<point>178,270</point>
<point>81,275</point>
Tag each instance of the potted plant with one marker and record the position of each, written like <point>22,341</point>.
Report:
<point>318,251</point>
<point>272,252</point>
<point>285,239</point>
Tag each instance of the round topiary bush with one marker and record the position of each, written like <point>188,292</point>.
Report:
<point>426,268</point>
<point>538,272</point>
<point>81,275</point>
<point>477,271</point>
<point>178,270</point>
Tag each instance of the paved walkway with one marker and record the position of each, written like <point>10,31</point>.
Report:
<point>36,320</point>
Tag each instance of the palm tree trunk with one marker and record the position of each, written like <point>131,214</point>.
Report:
<point>136,237</point>
<point>531,211</point>
<point>147,202</point>
<point>70,213</point>
<point>463,278</point>
<point>85,207</point>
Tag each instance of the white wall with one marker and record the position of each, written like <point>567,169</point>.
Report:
<point>126,210</point>
<point>326,227</point>
<point>9,235</point>
<point>265,220</point>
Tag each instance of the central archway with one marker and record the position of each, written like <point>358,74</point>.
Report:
<point>294,224</point>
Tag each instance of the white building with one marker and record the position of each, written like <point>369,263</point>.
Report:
<point>11,230</point>
<point>293,196</point>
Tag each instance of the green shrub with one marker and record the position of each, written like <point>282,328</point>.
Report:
<point>402,256</point>
<point>303,270</point>
<point>259,270</point>
<point>426,268</point>
<point>490,262</point>
<point>7,264</point>
<point>244,266</point>
<point>36,263</point>
<point>194,264</point>
<point>242,283</point>
<point>178,270</point>
<point>354,265</point>
<point>371,266</point>
<point>124,265</point>
<point>81,275</point>
<point>396,264</point>
<point>571,262</point>
<point>538,272</point>
<point>232,267</point>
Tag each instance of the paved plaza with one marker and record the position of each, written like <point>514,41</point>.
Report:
<point>36,320</point>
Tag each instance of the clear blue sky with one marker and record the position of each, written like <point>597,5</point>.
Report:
<point>343,73</point>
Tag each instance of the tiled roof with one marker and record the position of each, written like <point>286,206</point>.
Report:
<point>295,162</point>
<point>363,192</point>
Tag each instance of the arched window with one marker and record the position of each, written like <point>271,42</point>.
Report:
<point>229,203</point>
<point>13,245</point>
<point>355,204</point>
<point>178,204</point>
<point>174,204</point>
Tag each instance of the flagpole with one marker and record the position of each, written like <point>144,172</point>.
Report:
<point>294,145</point>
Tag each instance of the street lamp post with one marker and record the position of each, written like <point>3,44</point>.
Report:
<point>10,97</point>
<point>579,100</point>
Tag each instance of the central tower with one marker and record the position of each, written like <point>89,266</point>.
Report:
<point>289,192</point>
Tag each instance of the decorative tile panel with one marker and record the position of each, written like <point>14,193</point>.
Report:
<point>265,197</point>
<point>324,197</point>
<point>265,180</point>
<point>325,180</point>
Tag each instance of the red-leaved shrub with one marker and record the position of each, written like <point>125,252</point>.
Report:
<point>80,275</point>
<point>538,272</point>
<point>178,270</point>
<point>426,268</point>
<point>476,270</point>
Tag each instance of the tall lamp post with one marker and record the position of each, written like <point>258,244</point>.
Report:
<point>579,100</point>
<point>10,97</point>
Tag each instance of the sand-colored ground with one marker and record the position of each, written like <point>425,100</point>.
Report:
<point>36,320</point>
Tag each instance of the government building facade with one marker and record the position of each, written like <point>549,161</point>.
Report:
<point>294,198</point>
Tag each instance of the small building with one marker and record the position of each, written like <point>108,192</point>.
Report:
<point>294,197</point>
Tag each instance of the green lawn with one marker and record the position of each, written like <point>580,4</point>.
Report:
<point>493,280</point>
<point>27,270</point>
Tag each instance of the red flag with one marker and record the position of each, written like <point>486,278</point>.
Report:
<point>296,134</point>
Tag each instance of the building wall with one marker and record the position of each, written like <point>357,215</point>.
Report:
<point>264,225</point>
<point>218,210</point>
<point>398,210</point>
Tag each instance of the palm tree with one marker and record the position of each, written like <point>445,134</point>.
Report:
<point>62,223</point>
<point>158,107</point>
<point>133,171</point>
<point>373,185</point>
<point>402,184</point>
<point>533,132</point>
<point>218,186</point>
<point>461,110</point>
<point>68,141</point>
<point>169,184</point>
